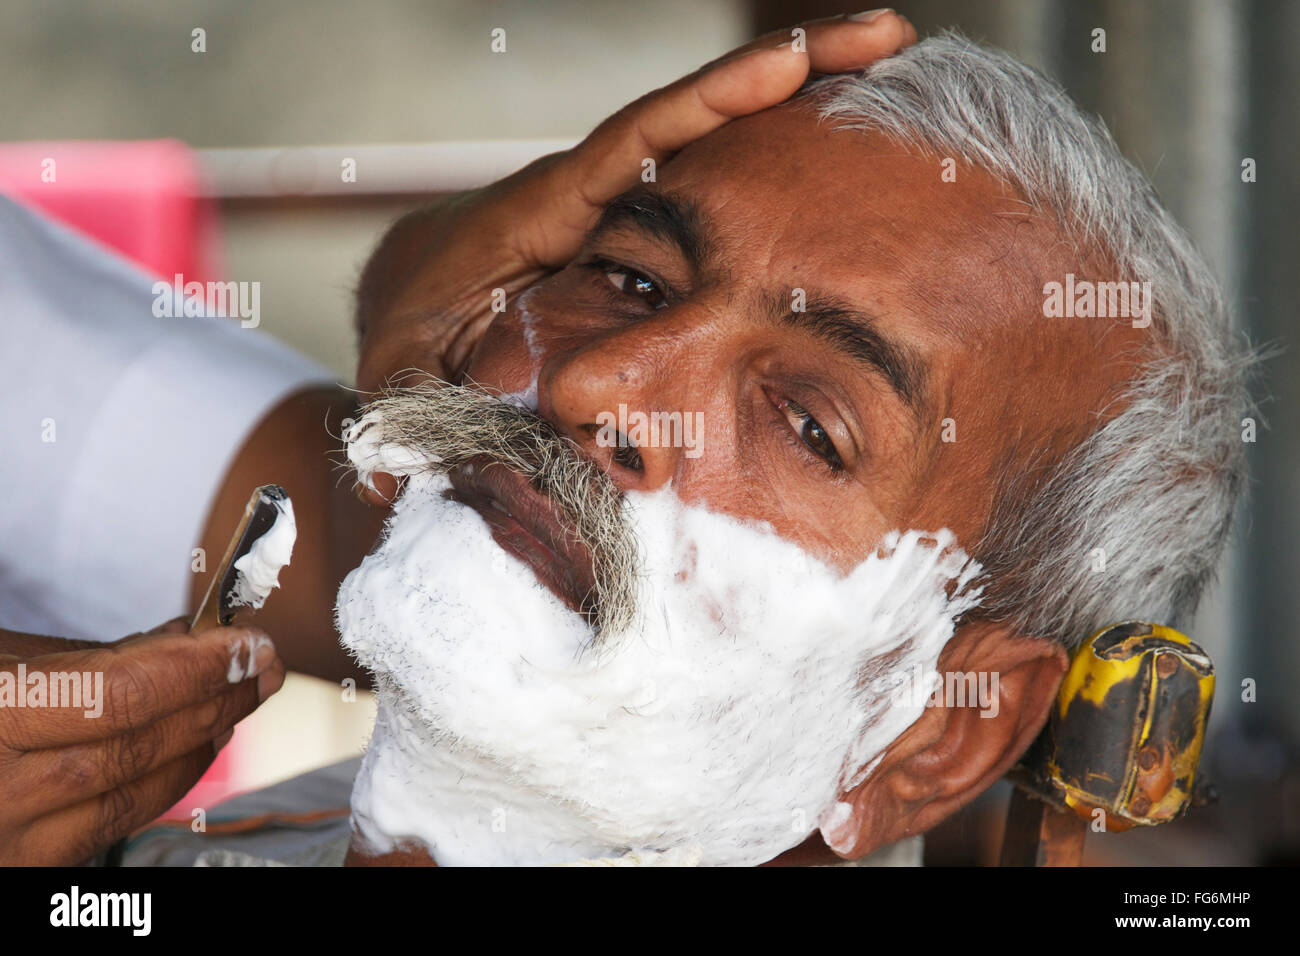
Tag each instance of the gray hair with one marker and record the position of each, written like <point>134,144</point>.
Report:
<point>1152,489</point>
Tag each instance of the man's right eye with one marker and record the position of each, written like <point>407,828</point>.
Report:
<point>633,283</point>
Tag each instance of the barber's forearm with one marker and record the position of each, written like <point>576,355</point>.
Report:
<point>293,447</point>
<point>18,644</point>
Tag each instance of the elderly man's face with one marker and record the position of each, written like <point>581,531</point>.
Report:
<point>918,360</point>
<point>862,341</point>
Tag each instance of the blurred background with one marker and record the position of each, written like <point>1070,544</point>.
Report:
<point>264,104</point>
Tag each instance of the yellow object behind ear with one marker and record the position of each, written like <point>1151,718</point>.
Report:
<point>1129,724</point>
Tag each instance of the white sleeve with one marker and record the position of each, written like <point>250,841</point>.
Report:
<point>118,427</point>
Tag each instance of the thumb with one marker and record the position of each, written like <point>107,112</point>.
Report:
<point>177,625</point>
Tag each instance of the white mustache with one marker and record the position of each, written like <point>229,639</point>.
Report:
<point>433,427</point>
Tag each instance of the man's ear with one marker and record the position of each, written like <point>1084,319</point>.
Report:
<point>951,754</point>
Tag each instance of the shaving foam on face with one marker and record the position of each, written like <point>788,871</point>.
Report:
<point>368,455</point>
<point>259,569</point>
<point>728,719</point>
<point>528,320</point>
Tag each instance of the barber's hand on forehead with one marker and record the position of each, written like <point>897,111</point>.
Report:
<point>71,784</point>
<point>426,297</point>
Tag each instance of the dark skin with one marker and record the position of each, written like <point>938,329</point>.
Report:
<point>335,530</point>
<point>786,205</point>
<point>425,300</point>
<point>678,300</point>
<point>70,785</point>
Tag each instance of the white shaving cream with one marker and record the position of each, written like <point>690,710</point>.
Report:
<point>243,657</point>
<point>528,320</point>
<point>724,724</point>
<point>259,569</point>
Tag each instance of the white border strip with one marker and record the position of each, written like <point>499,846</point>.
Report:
<point>380,169</point>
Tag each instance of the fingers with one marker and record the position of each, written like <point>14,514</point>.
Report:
<point>73,834</point>
<point>761,74</point>
<point>65,776</point>
<point>133,684</point>
<point>424,294</point>
<point>844,46</point>
<point>842,43</point>
<point>654,127</point>
<point>177,625</point>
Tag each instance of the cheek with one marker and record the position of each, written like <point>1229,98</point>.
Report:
<point>502,359</point>
<point>510,354</point>
<point>844,541</point>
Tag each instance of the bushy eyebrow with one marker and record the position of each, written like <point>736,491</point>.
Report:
<point>666,217</point>
<point>854,333</point>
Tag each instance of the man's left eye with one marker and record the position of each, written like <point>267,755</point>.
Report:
<point>633,283</point>
<point>812,435</point>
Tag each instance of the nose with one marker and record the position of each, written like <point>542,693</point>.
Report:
<point>623,398</point>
